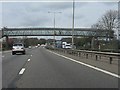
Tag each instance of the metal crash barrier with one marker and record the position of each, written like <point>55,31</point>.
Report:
<point>109,57</point>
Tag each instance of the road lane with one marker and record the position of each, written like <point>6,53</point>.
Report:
<point>47,70</point>
<point>11,65</point>
<point>0,70</point>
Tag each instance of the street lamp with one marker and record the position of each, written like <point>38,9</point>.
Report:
<point>54,13</point>
<point>73,25</point>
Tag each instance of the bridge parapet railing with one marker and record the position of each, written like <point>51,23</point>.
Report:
<point>108,57</point>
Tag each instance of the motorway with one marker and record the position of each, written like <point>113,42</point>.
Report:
<point>0,69</point>
<point>40,68</point>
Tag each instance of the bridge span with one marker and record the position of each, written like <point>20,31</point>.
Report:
<point>53,32</point>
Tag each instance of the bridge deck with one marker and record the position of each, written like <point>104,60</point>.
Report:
<point>53,31</point>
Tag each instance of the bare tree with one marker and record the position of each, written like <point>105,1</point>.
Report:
<point>98,25</point>
<point>109,21</point>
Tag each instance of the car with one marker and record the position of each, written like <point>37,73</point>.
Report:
<point>29,47</point>
<point>36,46</point>
<point>18,48</point>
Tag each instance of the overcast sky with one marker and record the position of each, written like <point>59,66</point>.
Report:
<point>35,14</point>
<point>19,14</point>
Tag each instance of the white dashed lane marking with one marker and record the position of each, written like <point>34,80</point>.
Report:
<point>28,60</point>
<point>22,71</point>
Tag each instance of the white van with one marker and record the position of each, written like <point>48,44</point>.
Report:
<point>68,46</point>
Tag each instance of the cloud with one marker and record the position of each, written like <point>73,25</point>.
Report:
<point>35,19</point>
<point>41,6</point>
<point>59,5</point>
<point>110,3</point>
<point>55,6</point>
<point>36,13</point>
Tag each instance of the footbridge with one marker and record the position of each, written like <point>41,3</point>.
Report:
<point>6,31</point>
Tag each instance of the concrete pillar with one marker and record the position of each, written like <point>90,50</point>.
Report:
<point>111,60</point>
<point>92,43</point>
<point>7,42</point>
<point>96,56</point>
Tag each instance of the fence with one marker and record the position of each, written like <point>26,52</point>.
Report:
<point>109,57</point>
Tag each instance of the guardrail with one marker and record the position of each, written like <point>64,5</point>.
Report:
<point>111,58</point>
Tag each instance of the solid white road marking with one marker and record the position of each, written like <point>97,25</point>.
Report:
<point>31,55</point>
<point>90,66</point>
<point>22,71</point>
<point>28,60</point>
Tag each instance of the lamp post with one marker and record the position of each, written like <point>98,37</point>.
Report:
<point>54,13</point>
<point>73,25</point>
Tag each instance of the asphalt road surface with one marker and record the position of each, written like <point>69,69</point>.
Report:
<point>40,68</point>
<point>0,70</point>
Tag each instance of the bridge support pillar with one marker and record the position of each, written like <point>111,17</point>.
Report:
<point>7,42</point>
<point>111,60</point>
<point>92,43</point>
<point>96,56</point>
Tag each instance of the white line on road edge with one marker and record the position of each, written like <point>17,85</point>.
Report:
<point>28,60</point>
<point>93,67</point>
<point>22,71</point>
<point>31,55</point>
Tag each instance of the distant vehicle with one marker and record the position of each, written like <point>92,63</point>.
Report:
<point>18,48</point>
<point>29,47</point>
<point>66,45</point>
<point>58,44</point>
<point>38,45</point>
<point>43,45</point>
